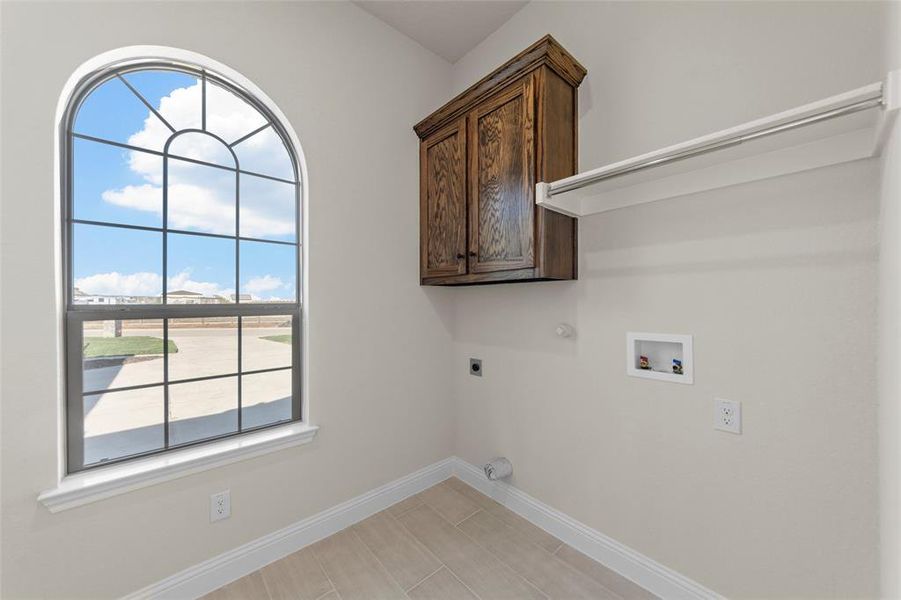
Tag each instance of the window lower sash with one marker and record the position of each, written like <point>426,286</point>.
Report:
<point>77,394</point>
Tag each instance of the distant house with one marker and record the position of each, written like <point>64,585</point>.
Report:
<point>189,297</point>
<point>240,297</point>
<point>80,297</point>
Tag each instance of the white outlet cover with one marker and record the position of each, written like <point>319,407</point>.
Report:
<point>727,415</point>
<point>220,506</point>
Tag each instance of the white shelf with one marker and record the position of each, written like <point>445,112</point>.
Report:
<point>796,148</point>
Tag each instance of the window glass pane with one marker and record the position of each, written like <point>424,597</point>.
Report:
<point>116,185</point>
<point>267,209</point>
<point>112,265</point>
<point>201,198</point>
<point>202,409</point>
<point>206,346</point>
<point>112,112</point>
<point>174,95</point>
<point>229,116</point>
<point>118,424</point>
<point>201,270</point>
<point>201,146</point>
<point>266,342</point>
<point>265,398</point>
<point>265,153</point>
<point>268,272</point>
<point>122,353</point>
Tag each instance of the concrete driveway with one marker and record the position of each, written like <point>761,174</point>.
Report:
<point>128,422</point>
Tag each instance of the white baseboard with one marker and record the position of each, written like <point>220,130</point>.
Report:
<point>629,563</point>
<point>212,574</point>
<point>220,570</point>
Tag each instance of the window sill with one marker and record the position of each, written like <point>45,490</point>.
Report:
<point>91,486</point>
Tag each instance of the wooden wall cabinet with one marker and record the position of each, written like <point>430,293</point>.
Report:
<point>481,155</point>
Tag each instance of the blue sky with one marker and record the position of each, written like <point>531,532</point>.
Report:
<point>118,185</point>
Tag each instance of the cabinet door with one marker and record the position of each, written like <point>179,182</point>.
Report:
<point>442,202</point>
<point>501,181</point>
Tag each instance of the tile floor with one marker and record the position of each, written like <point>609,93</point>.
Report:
<point>448,542</point>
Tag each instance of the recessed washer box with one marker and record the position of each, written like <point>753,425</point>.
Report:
<point>660,349</point>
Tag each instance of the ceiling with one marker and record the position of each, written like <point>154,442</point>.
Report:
<point>449,28</point>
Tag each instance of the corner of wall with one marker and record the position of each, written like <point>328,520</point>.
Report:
<point>889,332</point>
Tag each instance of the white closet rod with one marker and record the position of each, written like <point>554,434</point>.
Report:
<point>578,182</point>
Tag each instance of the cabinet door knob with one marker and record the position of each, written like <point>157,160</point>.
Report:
<point>471,253</point>
<point>461,255</point>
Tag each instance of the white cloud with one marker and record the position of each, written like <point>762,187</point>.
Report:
<point>181,108</point>
<point>202,198</point>
<point>120,284</point>
<point>183,281</point>
<point>142,197</point>
<point>145,284</point>
<point>228,116</point>
<point>191,207</point>
<point>199,208</point>
<point>260,285</point>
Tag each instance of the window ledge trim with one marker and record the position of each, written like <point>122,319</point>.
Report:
<point>97,484</point>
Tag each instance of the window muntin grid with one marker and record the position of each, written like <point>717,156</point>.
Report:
<point>167,309</point>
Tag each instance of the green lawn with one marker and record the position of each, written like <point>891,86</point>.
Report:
<point>284,338</point>
<point>99,347</point>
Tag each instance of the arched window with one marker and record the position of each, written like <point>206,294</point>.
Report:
<point>182,251</point>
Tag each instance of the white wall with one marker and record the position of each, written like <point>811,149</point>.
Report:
<point>352,88</point>
<point>776,280</point>
<point>890,338</point>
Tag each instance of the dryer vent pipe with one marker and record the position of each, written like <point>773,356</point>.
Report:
<point>498,468</point>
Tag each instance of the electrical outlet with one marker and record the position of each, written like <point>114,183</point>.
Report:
<point>220,506</point>
<point>475,367</point>
<point>727,415</point>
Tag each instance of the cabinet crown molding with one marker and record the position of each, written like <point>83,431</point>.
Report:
<point>546,51</point>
